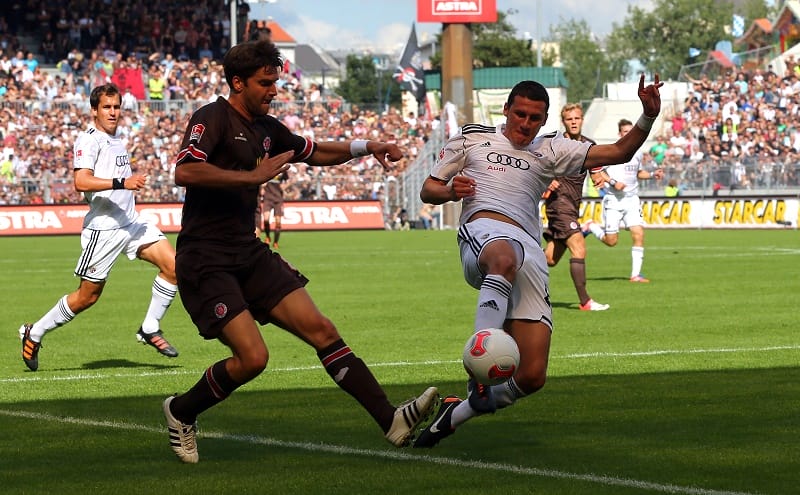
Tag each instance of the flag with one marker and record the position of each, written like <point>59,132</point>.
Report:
<point>737,28</point>
<point>409,74</point>
<point>693,52</point>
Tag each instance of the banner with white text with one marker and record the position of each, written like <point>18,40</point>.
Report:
<point>297,215</point>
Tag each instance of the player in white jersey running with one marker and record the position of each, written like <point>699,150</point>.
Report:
<point>499,174</point>
<point>111,227</point>
<point>621,204</point>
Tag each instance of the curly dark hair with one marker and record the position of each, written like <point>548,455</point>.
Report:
<point>244,59</point>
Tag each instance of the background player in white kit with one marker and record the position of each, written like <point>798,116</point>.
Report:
<point>103,174</point>
<point>500,174</point>
<point>621,204</point>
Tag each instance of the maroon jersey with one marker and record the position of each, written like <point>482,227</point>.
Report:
<point>562,205</point>
<point>221,136</point>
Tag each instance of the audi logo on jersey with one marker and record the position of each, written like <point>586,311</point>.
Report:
<point>509,161</point>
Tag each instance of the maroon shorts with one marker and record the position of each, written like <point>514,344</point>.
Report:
<point>562,218</point>
<point>273,199</point>
<point>216,283</point>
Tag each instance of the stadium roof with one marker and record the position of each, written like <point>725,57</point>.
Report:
<point>505,77</point>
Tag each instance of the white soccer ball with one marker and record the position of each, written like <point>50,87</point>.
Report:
<point>491,356</point>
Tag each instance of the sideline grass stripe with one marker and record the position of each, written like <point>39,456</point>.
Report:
<point>588,355</point>
<point>388,454</point>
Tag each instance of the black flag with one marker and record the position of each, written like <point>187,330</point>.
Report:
<point>409,73</point>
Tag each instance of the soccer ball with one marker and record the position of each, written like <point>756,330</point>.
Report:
<point>491,356</point>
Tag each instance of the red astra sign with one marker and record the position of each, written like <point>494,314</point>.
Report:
<point>456,12</point>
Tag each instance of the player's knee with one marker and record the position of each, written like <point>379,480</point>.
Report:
<point>253,362</point>
<point>530,382</point>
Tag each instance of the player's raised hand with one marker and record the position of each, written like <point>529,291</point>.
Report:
<point>462,187</point>
<point>650,96</point>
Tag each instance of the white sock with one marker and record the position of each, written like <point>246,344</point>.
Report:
<point>637,258</point>
<point>492,302</point>
<point>507,393</point>
<point>60,314</point>
<point>597,230</point>
<point>461,414</point>
<point>163,294</point>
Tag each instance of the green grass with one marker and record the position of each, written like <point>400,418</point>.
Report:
<point>689,384</point>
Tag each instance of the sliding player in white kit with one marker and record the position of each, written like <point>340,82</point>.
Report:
<point>103,174</point>
<point>621,204</point>
<point>499,174</point>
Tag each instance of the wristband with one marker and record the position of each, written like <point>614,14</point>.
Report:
<point>358,147</point>
<point>613,182</point>
<point>645,123</point>
<point>117,183</point>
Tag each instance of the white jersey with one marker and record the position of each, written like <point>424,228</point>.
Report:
<point>107,157</point>
<point>628,174</point>
<point>510,180</point>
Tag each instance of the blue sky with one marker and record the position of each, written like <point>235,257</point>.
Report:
<point>384,24</point>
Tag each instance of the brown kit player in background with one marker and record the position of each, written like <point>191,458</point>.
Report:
<point>562,205</point>
<point>271,202</point>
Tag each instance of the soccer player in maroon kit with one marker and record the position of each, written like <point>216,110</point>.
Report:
<point>231,280</point>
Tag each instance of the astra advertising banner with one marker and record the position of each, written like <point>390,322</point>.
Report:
<point>297,215</point>
<point>456,12</point>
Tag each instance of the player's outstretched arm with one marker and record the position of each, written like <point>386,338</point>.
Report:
<point>335,153</point>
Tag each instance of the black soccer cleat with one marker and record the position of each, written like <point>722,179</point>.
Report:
<point>30,349</point>
<point>441,426</point>
<point>158,341</point>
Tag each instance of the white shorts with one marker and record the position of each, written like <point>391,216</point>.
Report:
<point>616,211</point>
<point>101,248</point>
<point>530,293</point>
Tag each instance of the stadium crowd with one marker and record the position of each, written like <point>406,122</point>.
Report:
<point>738,130</point>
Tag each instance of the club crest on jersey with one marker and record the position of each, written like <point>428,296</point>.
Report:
<point>267,143</point>
<point>197,132</point>
<point>220,310</point>
<point>441,154</point>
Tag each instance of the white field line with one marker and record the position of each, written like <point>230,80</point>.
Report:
<point>392,455</point>
<point>39,377</point>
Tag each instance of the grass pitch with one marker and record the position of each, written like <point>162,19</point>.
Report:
<point>687,385</point>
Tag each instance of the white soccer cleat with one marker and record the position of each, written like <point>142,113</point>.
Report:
<point>592,305</point>
<point>409,415</point>
<point>182,437</point>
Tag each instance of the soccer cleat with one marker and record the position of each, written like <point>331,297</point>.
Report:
<point>182,437</point>
<point>586,228</point>
<point>30,349</point>
<point>158,341</point>
<point>409,415</point>
<point>275,245</point>
<point>480,397</point>
<point>440,427</point>
<point>592,305</point>
<point>640,279</point>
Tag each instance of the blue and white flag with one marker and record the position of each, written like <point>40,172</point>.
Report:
<point>737,28</point>
<point>693,52</point>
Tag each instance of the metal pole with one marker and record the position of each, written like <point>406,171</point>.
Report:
<point>538,33</point>
<point>234,27</point>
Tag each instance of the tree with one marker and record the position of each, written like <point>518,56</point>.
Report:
<point>585,65</point>
<point>661,39</point>
<point>366,84</point>
<point>495,44</point>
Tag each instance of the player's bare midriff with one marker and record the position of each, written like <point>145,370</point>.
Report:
<point>494,216</point>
